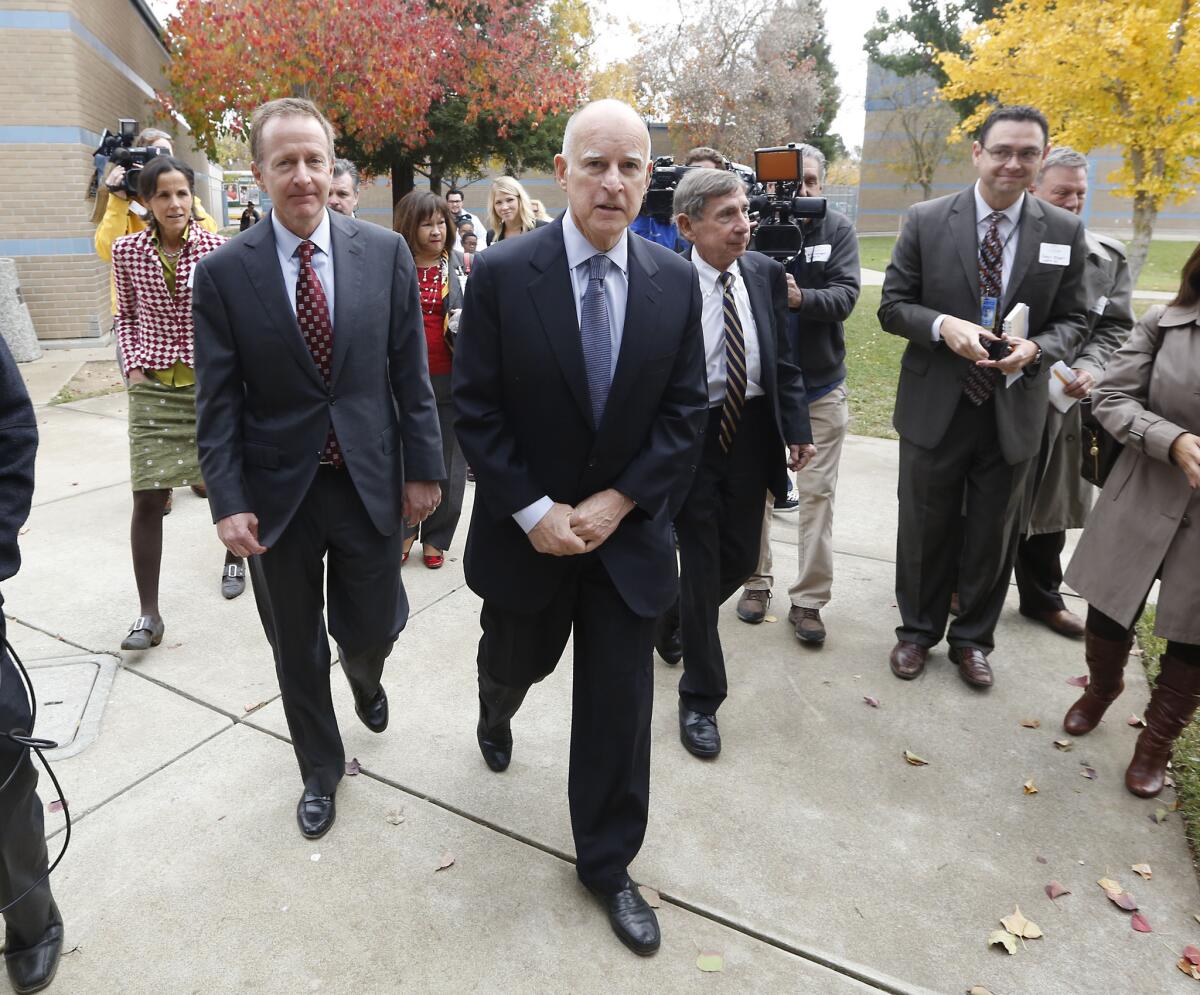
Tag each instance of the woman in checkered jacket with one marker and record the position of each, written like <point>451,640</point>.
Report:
<point>152,273</point>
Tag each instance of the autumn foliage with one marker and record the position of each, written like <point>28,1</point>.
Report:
<point>378,68</point>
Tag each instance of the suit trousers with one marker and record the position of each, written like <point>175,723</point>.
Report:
<point>367,610</point>
<point>608,786</point>
<point>1039,572</point>
<point>816,486</point>
<point>961,508</point>
<point>719,528</point>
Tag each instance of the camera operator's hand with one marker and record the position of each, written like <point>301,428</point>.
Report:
<point>1023,353</point>
<point>795,294</point>
<point>800,455</point>
<point>137,376</point>
<point>116,183</point>
<point>962,337</point>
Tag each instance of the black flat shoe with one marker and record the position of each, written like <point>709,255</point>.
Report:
<point>144,633</point>
<point>31,969</point>
<point>495,744</point>
<point>698,733</point>
<point>233,580</point>
<point>374,713</point>
<point>315,814</point>
<point>632,919</point>
<point>667,640</point>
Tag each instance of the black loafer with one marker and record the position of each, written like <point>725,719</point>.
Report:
<point>30,969</point>
<point>495,744</point>
<point>667,639</point>
<point>632,919</point>
<point>698,733</point>
<point>374,713</point>
<point>315,814</point>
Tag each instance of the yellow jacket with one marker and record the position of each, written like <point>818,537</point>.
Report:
<point>119,220</point>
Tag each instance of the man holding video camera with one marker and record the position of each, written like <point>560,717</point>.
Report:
<point>823,285</point>
<point>663,230</point>
<point>971,403</point>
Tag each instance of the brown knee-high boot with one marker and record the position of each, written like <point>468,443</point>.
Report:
<point>1172,705</point>
<point>1106,664</point>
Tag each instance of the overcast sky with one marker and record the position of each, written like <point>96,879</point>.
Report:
<point>846,20</point>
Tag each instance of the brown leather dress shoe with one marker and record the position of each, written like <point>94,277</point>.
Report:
<point>972,666</point>
<point>908,659</point>
<point>1065,623</point>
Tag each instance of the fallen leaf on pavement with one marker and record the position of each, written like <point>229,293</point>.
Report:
<point>57,805</point>
<point>1188,968</point>
<point>1063,744</point>
<point>253,705</point>
<point>1138,922</point>
<point>353,767</point>
<point>1143,870</point>
<point>447,861</point>
<point>1169,781</point>
<point>770,618</point>
<point>913,759</point>
<point>1078,682</point>
<point>710,962</point>
<point>1041,860</point>
<point>1110,886</point>
<point>1003,939</point>
<point>1191,954</point>
<point>978,990</point>
<point>1018,925</point>
<point>1031,723</point>
<point>1089,773</point>
<point>1030,787</point>
<point>651,896</point>
<point>873,702</point>
<point>1160,816</point>
<point>1136,721</point>
<point>1055,890</point>
<point>394,817</point>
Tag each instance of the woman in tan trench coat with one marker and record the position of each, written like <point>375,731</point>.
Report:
<point>1146,525</point>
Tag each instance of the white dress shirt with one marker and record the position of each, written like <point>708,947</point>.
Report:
<point>616,292</point>
<point>1009,231</point>
<point>286,246</point>
<point>712,317</point>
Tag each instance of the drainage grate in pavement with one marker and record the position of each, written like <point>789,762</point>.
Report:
<point>71,694</point>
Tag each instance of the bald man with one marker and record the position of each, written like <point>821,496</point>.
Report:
<point>579,405</point>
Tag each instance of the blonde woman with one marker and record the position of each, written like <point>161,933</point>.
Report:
<point>509,210</point>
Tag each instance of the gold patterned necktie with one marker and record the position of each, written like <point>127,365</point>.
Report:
<point>735,365</point>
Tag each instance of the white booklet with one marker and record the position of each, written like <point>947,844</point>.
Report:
<point>1061,375</point>
<point>1016,326</point>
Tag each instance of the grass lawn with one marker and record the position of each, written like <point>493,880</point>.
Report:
<point>872,369</point>
<point>875,251</point>
<point>1185,766</point>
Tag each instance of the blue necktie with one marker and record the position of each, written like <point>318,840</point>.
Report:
<point>595,329</point>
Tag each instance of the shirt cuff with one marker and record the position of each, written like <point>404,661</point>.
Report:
<point>529,516</point>
<point>937,327</point>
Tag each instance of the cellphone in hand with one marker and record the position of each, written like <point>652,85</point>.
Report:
<point>997,349</point>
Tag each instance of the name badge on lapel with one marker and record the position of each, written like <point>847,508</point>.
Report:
<point>1055,253</point>
<point>817,253</point>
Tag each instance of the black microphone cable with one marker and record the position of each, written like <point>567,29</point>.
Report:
<point>29,742</point>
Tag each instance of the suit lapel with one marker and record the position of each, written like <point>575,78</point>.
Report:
<point>347,282</point>
<point>262,267</point>
<point>966,241</point>
<point>760,303</point>
<point>554,300</point>
<point>641,321</point>
<point>1029,240</point>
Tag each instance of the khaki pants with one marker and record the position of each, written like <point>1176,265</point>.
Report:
<point>816,484</point>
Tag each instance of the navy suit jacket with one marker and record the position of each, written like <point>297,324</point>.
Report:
<point>524,419</point>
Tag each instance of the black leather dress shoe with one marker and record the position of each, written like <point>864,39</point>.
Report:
<point>698,733</point>
<point>667,640</point>
<point>315,814</point>
<point>30,969</point>
<point>495,744</point>
<point>632,919</point>
<point>374,713</point>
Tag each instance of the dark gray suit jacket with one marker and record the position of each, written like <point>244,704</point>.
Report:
<point>935,270</point>
<point>262,408</point>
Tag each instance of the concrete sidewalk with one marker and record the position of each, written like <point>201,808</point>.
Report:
<point>810,855</point>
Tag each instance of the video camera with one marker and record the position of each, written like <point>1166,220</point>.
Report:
<point>665,177</point>
<point>119,150</point>
<point>779,234</point>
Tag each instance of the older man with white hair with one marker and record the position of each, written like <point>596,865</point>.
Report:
<point>580,391</point>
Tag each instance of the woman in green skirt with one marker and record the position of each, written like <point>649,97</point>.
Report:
<point>152,273</point>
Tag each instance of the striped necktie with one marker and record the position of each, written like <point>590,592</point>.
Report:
<point>735,365</point>
<point>981,381</point>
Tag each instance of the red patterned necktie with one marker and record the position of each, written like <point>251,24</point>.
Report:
<point>312,314</point>
<point>981,381</point>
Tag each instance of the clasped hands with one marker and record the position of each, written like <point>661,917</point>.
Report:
<point>569,531</point>
<point>962,337</point>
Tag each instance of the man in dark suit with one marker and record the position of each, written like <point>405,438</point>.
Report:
<point>756,407</point>
<point>968,440</point>
<point>579,388</point>
<point>317,431</point>
<point>33,926</point>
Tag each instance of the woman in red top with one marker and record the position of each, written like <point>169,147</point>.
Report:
<point>426,222</point>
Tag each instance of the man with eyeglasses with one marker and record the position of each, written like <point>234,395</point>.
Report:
<point>971,402</point>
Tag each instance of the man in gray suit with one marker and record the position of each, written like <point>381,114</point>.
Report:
<point>318,432</point>
<point>969,435</point>
<point>1062,498</point>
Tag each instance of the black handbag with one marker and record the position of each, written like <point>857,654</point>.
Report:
<point>1099,450</point>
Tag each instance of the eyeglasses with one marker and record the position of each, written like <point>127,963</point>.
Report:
<point>1002,153</point>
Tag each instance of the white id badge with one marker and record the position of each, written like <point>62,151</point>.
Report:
<point>818,253</point>
<point>1100,305</point>
<point>1055,253</point>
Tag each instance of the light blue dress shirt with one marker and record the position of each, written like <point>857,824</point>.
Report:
<point>286,245</point>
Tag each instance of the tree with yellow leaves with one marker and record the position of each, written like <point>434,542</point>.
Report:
<point>1104,72</point>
